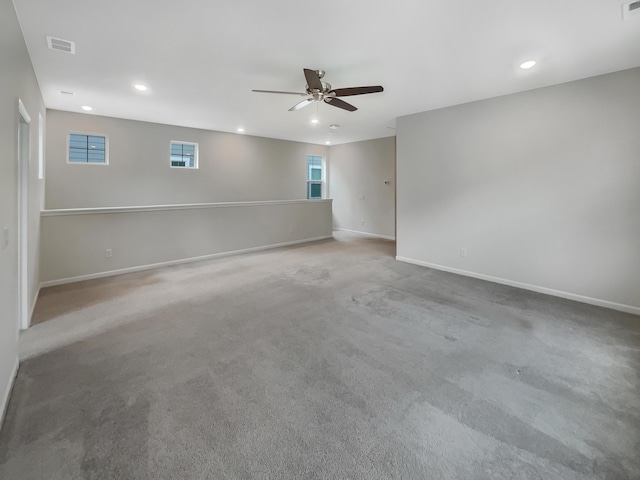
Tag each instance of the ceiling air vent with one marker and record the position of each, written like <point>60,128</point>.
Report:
<point>631,10</point>
<point>61,45</point>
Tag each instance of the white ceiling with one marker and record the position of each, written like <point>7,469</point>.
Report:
<point>201,59</point>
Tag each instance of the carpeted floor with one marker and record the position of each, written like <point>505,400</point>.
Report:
<point>323,361</point>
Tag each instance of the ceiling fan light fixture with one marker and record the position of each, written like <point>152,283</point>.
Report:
<point>319,91</point>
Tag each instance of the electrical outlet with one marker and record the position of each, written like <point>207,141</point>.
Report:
<point>463,252</point>
<point>5,237</point>
<point>109,253</point>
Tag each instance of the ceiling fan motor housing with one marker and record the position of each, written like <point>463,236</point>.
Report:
<point>320,94</point>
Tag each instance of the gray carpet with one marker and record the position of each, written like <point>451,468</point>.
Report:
<point>324,361</point>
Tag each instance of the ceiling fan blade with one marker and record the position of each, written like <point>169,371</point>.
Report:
<point>346,92</point>
<point>336,102</point>
<point>313,79</point>
<point>283,93</point>
<point>302,104</point>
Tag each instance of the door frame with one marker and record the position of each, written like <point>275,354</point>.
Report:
<point>24,158</point>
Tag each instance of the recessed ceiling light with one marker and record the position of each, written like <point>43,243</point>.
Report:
<point>328,142</point>
<point>139,86</point>
<point>314,121</point>
<point>240,129</point>
<point>87,108</point>
<point>528,64</point>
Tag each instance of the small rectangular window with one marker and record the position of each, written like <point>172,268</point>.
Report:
<point>315,176</point>
<point>90,148</point>
<point>184,154</point>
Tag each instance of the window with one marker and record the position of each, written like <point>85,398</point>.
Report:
<point>89,148</point>
<point>315,176</point>
<point>184,154</point>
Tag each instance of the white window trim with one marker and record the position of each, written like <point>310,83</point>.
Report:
<point>41,147</point>
<point>196,157</point>
<point>323,180</point>
<point>92,134</point>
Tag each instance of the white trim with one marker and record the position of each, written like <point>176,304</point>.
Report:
<point>366,234</point>
<point>185,206</point>
<point>526,286</point>
<point>23,164</point>
<point>23,111</point>
<point>40,147</point>
<point>7,393</point>
<point>89,134</point>
<point>152,266</point>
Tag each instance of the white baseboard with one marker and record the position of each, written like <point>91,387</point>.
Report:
<point>366,234</point>
<point>139,268</point>
<point>526,286</point>
<point>7,393</point>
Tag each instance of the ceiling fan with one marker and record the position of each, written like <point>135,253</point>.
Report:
<point>322,91</point>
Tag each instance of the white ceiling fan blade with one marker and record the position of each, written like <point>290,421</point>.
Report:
<point>302,104</point>
<point>281,93</point>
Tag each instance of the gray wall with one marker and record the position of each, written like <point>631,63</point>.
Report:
<point>18,81</point>
<point>232,167</point>
<point>540,187</point>
<point>356,178</point>
<point>74,243</point>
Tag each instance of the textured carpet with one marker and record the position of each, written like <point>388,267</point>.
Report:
<point>328,360</point>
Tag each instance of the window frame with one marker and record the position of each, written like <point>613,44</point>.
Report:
<point>89,134</point>
<point>322,180</point>
<point>41,147</point>
<point>196,154</point>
